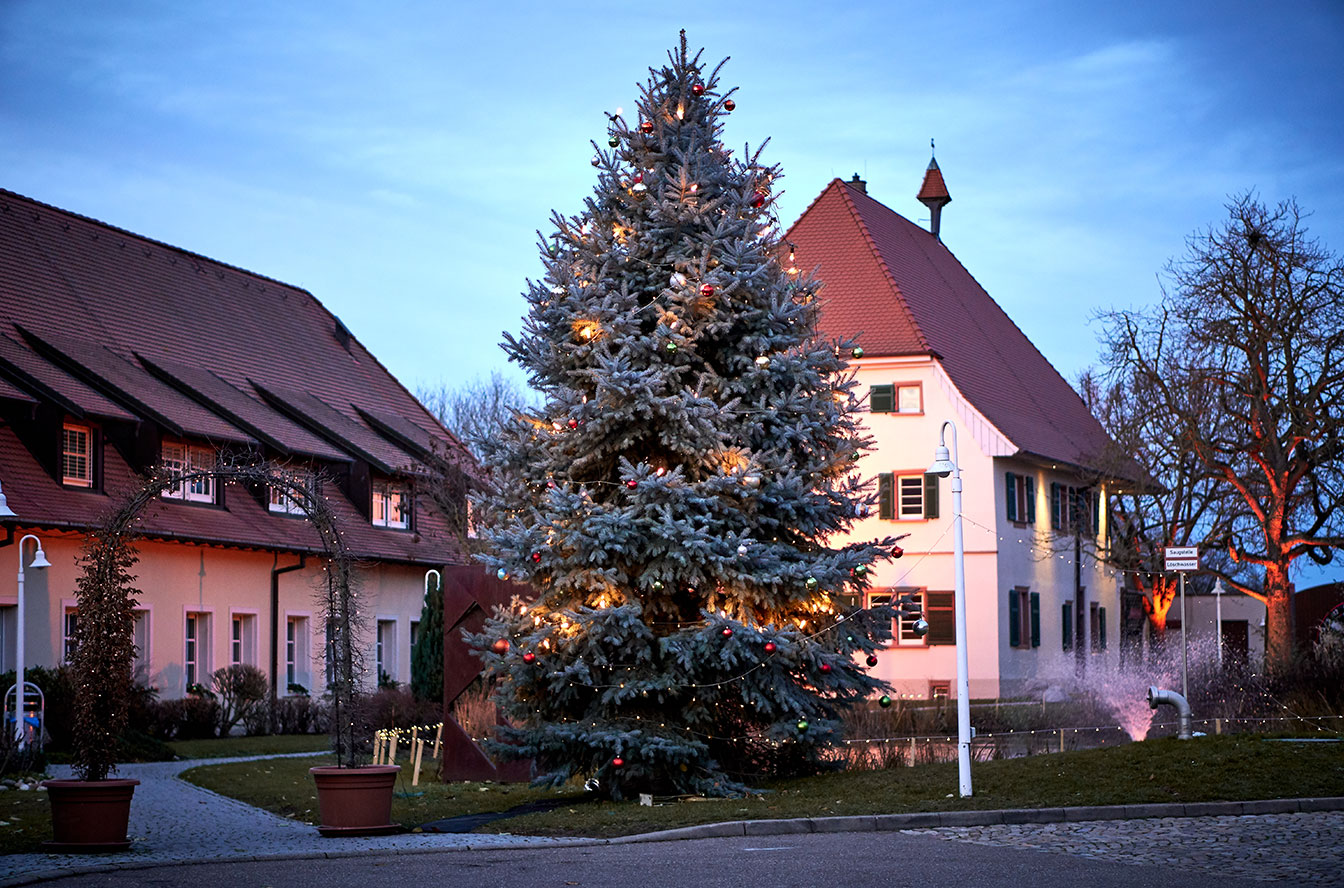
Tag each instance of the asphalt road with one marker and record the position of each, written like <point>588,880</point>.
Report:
<point>837,860</point>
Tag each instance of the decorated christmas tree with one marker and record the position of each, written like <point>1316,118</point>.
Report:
<point>671,502</point>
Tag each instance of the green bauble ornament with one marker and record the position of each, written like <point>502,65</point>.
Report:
<point>657,585</point>
<point>884,701</point>
<point>613,141</point>
<point>812,584</point>
<point>671,346</point>
<point>858,352</point>
<point>861,570</point>
<point>502,574</point>
<point>802,726</point>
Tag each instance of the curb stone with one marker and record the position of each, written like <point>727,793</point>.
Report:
<point>795,826</point>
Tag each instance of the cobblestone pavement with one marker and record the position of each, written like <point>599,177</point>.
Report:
<point>173,821</point>
<point>1298,849</point>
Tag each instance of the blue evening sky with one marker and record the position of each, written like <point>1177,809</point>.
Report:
<point>395,158</point>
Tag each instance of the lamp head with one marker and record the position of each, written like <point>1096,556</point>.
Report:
<point>942,462</point>
<point>5,510</point>
<point>40,558</point>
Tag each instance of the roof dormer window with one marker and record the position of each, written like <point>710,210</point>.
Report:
<point>189,460</point>
<point>289,501</point>
<point>391,505</point>
<point>77,455</point>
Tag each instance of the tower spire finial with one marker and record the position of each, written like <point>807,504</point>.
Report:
<point>933,194</point>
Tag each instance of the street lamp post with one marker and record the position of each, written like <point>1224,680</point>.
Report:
<point>39,561</point>
<point>943,467</point>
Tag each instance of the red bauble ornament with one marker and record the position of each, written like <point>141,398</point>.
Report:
<point>825,667</point>
<point>501,645</point>
<point>697,89</point>
<point>769,647</point>
<point>536,556</point>
<point>646,127</point>
<point>529,657</point>
<point>632,484</point>
<point>872,659</point>
<point>551,485</point>
<point>758,199</point>
<point>617,762</point>
<point>639,177</point>
<point>573,423</point>
<point>707,290</point>
<point>729,104</point>
<point>727,633</point>
<point>897,551</point>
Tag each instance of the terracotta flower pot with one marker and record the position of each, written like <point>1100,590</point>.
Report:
<point>355,801</point>
<point>89,815</point>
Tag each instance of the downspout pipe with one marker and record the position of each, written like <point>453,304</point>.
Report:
<point>1158,697</point>
<point>275,619</point>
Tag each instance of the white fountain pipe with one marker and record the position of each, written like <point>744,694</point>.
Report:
<point>1158,697</point>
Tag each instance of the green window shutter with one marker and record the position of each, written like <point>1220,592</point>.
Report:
<point>1010,491</point>
<point>1014,619</point>
<point>886,496</point>
<point>930,495</point>
<point>1056,506</point>
<point>1066,621</point>
<point>1035,619</point>
<point>1094,502</point>
<point>1101,627</point>
<point>1030,484</point>
<point>940,611</point>
<point>882,399</point>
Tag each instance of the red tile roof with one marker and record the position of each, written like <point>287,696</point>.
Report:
<point>900,291</point>
<point>105,323</point>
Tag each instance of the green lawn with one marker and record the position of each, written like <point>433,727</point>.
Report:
<point>225,747</point>
<point>1206,769</point>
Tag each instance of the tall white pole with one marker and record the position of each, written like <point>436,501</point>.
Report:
<point>959,606</point>
<point>39,561</point>
<point>1185,689</point>
<point>20,735</point>
<point>1218,617</point>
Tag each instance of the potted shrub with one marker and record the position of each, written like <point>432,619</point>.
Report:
<point>91,813</point>
<point>354,798</point>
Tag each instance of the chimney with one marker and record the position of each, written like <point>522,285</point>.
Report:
<point>933,194</point>
<point>858,184</point>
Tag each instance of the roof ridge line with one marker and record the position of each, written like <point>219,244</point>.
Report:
<point>1031,391</point>
<point>882,263</point>
<point>5,192</point>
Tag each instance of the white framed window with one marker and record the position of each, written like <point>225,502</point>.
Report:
<point>908,604</point>
<point>242,639</point>
<point>182,459</point>
<point>69,622</point>
<point>196,648</point>
<point>296,653</point>
<point>391,505</point>
<point>897,397</point>
<point>142,651</point>
<point>907,497</point>
<point>286,500</point>
<point>1020,495</point>
<point>385,653</point>
<point>77,455</point>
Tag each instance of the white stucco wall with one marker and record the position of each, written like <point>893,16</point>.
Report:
<point>1000,555</point>
<point>177,579</point>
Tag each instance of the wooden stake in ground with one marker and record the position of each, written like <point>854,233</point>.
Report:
<point>392,751</point>
<point>419,756</point>
<point>438,738</point>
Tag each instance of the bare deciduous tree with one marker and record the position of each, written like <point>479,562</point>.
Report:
<point>1245,358</point>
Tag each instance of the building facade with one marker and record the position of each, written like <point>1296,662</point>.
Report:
<point>931,346</point>
<point>119,353</point>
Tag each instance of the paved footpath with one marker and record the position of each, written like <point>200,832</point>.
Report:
<point>173,821</point>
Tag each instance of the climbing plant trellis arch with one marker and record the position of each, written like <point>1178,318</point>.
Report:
<point>104,634</point>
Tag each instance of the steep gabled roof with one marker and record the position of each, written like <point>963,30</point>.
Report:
<point>898,290</point>
<point>106,324</point>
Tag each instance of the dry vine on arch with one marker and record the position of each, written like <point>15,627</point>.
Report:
<point>104,634</point>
